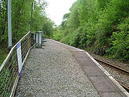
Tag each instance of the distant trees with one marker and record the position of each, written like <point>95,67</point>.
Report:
<point>26,15</point>
<point>99,25</point>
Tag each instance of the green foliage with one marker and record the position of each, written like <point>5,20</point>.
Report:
<point>24,19</point>
<point>5,74</point>
<point>27,15</point>
<point>101,25</point>
<point>3,54</point>
<point>120,42</point>
<point>107,24</point>
<point>48,28</point>
<point>58,34</point>
<point>120,48</point>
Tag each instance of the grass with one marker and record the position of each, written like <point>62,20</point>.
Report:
<point>3,54</point>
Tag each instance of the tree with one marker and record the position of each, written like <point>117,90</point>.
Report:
<point>24,18</point>
<point>98,25</point>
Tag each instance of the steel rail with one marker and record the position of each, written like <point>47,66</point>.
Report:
<point>118,68</point>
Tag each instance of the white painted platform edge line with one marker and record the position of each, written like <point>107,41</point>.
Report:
<point>67,45</point>
<point>110,77</point>
<point>105,71</point>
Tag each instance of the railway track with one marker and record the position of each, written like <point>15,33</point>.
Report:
<point>121,71</point>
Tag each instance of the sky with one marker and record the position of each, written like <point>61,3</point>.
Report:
<point>57,8</point>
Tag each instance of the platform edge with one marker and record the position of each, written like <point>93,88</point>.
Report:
<point>109,76</point>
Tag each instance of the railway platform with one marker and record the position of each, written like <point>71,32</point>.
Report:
<point>59,70</point>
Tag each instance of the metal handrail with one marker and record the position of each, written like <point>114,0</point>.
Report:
<point>9,74</point>
<point>3,64</point>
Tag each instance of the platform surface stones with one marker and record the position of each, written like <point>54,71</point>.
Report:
<point>58,70</point>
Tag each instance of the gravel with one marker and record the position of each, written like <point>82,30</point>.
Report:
<point>52,72</point>
<point>117,74</point>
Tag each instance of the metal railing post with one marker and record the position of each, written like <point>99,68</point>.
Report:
<point>10,70</point>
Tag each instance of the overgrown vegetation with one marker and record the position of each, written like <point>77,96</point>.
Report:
<point>27,15</point>
<point>99,25</point>
<point>3,54</point>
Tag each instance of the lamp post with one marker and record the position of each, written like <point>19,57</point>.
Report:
<point>39,1</point>
<point>0,4</point>
<point>31,19</point>
<point>9,25</point>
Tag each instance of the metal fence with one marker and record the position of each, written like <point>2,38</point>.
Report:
<point>9,73</point>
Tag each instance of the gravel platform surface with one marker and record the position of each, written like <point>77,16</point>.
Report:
<point>53,72</point>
